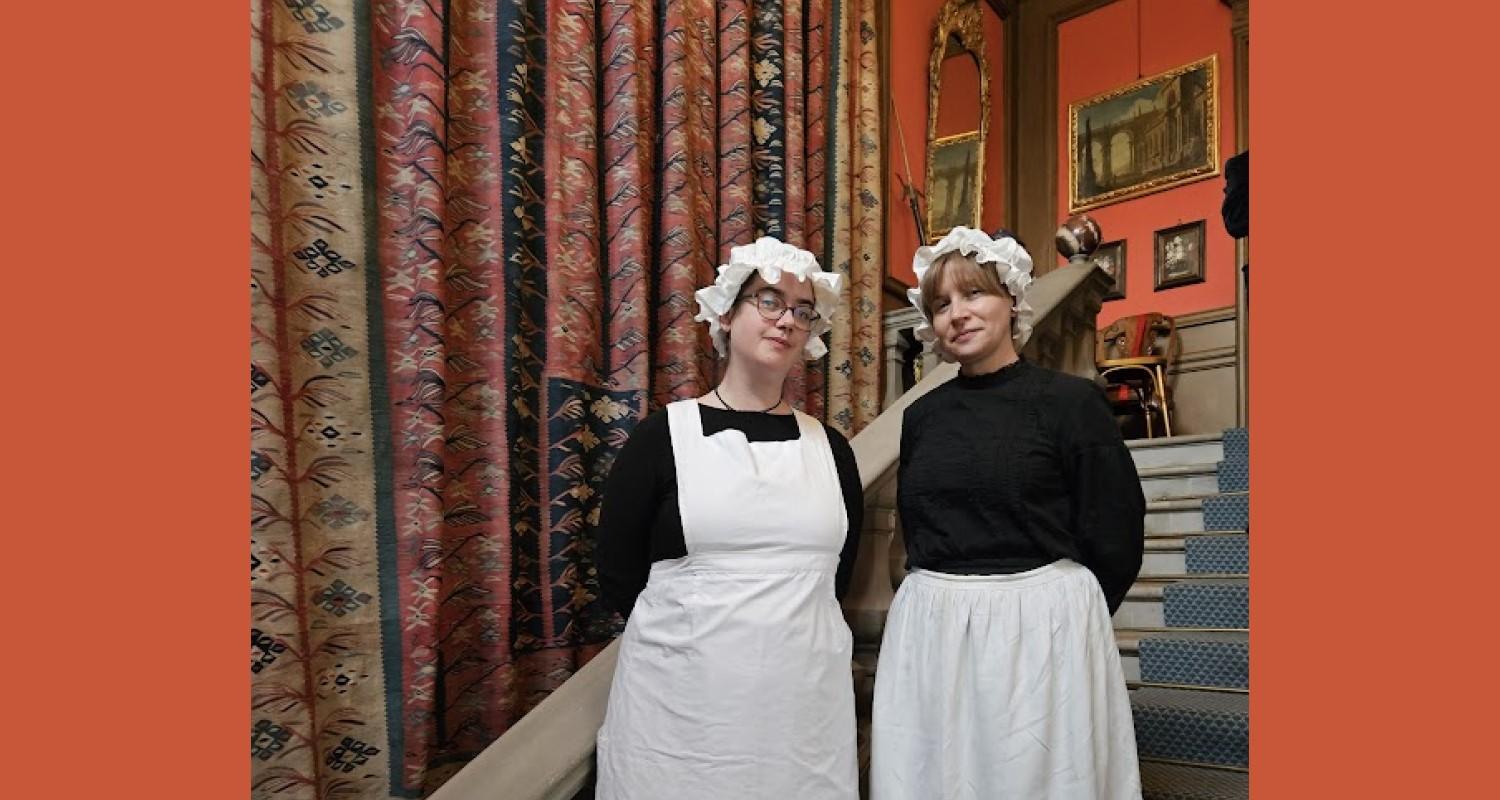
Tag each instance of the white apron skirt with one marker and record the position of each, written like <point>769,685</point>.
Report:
<point>733,679</point>
<point>1001,686</point>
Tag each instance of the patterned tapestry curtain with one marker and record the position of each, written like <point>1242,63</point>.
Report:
<point>477,226</point>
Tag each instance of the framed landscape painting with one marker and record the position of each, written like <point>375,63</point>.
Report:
<point>1151,135</point>
<point>955,185</point>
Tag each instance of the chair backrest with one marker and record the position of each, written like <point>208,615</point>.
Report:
<point>1137,336</point>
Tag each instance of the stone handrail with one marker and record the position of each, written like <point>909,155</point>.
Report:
<point>548,754</point>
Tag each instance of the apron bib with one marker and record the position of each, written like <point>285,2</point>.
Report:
<point>733,679</point>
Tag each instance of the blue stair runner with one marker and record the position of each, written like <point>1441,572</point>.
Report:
<point>1202,727</point>
<point>1176,782</point>
<point>1237,444</point>
<point>1206,604</point>
<point>1220,660</point>
<point>1226,512</point>
<point>1218,555</point>
<point>1234,476</point>
<point>1198,727</point>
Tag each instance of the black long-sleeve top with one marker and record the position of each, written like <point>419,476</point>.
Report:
<point>1016,469</point>
<point>641,523</point>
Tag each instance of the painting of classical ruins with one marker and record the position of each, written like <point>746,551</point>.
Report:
<point>1153,134</point>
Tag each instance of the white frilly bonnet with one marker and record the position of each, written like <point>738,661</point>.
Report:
<point>1011,262</point>
<point>770,257</point>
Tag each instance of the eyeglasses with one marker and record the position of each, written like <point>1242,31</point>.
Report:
<point>772,305</point>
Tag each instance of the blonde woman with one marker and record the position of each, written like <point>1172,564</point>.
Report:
<point>729,530</point>
<point>1023,519</point>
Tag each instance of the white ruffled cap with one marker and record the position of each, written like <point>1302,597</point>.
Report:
<point>1011,263</point>
<point>770,257</point>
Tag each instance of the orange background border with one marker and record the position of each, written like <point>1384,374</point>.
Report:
<point>1371,673</point>
<point>126,340</point>
<point>126,336</point>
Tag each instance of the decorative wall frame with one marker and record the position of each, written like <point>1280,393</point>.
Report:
<point>954,181</point>
<point>1111,256</point>
<point>962,21</point>
<point>1180,256</point>
<point>1156,133</point>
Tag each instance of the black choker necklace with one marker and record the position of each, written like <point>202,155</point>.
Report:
<point>727,407</point>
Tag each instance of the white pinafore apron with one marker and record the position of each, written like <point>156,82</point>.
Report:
<point>733,679</point>
<point>1001,687</point>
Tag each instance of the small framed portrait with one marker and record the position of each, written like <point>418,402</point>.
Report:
<point>1111,257</point>
<point>1179,255</point>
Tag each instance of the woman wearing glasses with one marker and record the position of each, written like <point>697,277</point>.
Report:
<point>729,529</point>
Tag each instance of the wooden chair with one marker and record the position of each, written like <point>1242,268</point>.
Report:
<point>1133,354</point>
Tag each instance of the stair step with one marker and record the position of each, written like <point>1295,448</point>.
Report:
<point>1236,444</point>
<point>1233,476</point>
<point>1161,781</point>
<point>1133,684</point>
<point>1177,470</point>
<point>1163,561</point>
<point>1222,554</point>
<point>1176,515</point>
<point>1206,604</point>
<point>1196,658</point>
<point>1182,480</point>
<point>1216,660</point>
<point>1177,541</point>
<point>1154,587</point>
<point>1137,612</point>
<point>1183,725</point>
<point>1176,535</point>
<point>1176,450</point>
<point>1226,511</point>
<point>1215,602</point>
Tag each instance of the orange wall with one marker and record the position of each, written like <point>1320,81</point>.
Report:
<point>911,25</point>
<point>1098,52</point>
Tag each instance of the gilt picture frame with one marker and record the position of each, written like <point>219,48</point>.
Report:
<point>1154,134</point>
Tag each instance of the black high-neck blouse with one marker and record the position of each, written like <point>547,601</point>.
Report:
<point>1016,469</point>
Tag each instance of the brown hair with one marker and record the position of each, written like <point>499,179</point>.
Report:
<point>969,274</point>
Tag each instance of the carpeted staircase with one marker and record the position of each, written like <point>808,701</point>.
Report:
<point>1183,630</point>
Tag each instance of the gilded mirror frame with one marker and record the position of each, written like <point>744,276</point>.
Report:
<point>963,19</point>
